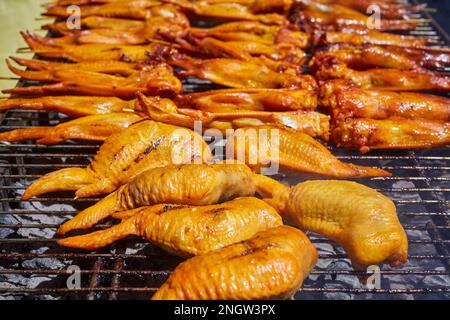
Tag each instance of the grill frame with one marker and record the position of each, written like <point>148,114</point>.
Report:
<point>106,274</point>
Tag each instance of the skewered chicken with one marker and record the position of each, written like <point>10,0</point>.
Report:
<point>363,221</point>
<point>228,100</point>
<point>193,184</point>
<point>95,127</point>
<point>387,10</point>
<point>74,106</point>
<point>308,14</point>
<point>272,264</point>
<point>134,9</point>
<point>241,74</point>
<point>254,32</point>
<point>75,79</point>
<point>388,79</point>
<point>144,145</point>
<point>392,133</point>
<point>371,56</point>
<point>186,230</point>
<point>291,150</point>
<point>92,52</point>
<point>346,101</point>
<point>164,110</point>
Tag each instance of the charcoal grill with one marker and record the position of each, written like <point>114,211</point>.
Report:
<point>32,266</point>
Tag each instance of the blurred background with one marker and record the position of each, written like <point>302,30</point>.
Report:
<point>17,15</point>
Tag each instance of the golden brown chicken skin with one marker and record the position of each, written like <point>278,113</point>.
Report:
<point>73,106</point>
<point>144,145</point>
<point>371,56</point>
<point>384,79</point>
<point>291,150</point>
<point>193,184</point>
<point>271,265</point>
<point>227,100</point>
<point>164,110</point>
<point>187,230</point>
<point>242,74</point>
<point>95,127</point>
<point>346,101</point>
<point>95,22</point>
<point>391,133</point>
<point>75,79</point>
<point>363,221</point>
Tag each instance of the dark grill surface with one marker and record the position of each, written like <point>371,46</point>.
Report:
<point>33,266</point>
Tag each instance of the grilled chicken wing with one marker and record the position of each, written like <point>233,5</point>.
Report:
<point>391,133</point>
<point>94,22</point>
<point>75,79</point>
<point>272,264</point>
<point>92,52</point>
<point>291,150</point>
<point>144,145</point>
<point>74,106</point>
<point>241,74</point>
<point>346,101</point>
<point>364,36</point>
<point>229,100</point>
<point>372,56</point>
<point>187,230</point>
<point>164,110</point>
<point>95,127</point>
<point>388,79</point>
<point>135,9</point>
<point>315,15</point>
<point>363,221</point>
<point>193,184</point>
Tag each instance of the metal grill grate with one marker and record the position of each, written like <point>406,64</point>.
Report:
<point>33,266</point>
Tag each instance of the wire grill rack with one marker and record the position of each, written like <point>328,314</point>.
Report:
<point>32,266</point>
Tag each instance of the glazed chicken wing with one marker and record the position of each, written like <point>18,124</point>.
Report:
<point>271,265</point>
<point>74,106</point>
<point>229,100</point>
<point>392,133</point>
<point>193,184</point>
<point>144,145</point>
<point>383,79</point>
<point>346,101</point>
<point>372,56</point>
<point>187,230</point>
<point>241,74</point>
<point>363,221</point>
<point>95,127</point>
<point>164,110</point>
<point>291,150</point>
<point>75,79</point>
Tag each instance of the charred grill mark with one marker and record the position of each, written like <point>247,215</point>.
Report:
<point>216,211</point>
<point>147,150</point>
<point>125,58</point>
<point>251,251</point>
<point>116,155</point>
<point>170,208</point>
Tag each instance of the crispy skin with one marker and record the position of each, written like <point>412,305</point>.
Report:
<point>187,230</point>
<point>74,106</point>
<point>164,110</point>
<point>95,22</point>
<point>193,184</point>
<point>272,264</point>
<point>139,9</point>
<point>372,56</point>
<point>345,101</point>
<point>363,221</point>
<point>364,36</point>
<point>296,151</point>
<point>144,145</point>
<point>241,74</point>
<point>228,100</point>
<point>315,15</point>
<point>391,133</point>
<point>75,79</point>
<point>383,79</point>
<point>92,52</point>
<point>94,127</point>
